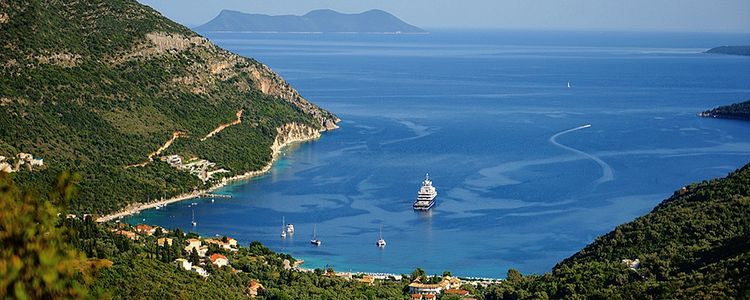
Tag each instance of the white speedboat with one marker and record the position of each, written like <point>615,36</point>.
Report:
<point>426,195</point>
<point>290,228</point>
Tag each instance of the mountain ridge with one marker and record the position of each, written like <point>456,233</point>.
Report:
<point>320,20</point>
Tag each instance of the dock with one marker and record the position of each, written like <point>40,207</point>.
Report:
<point>214,196</point>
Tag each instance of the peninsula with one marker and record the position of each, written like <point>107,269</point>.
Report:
<point>317,21</point>
<point>740,111</point>
<point>731,50</point>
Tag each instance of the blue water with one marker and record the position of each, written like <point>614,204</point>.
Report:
<point>478,111</point>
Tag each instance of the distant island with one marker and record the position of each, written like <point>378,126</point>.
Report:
<point>740,111</point>
<point>731,50</point>
<point>317,21</point>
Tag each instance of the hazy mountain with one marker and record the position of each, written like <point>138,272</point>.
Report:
<point>731,50</point>
<point>323,20</point>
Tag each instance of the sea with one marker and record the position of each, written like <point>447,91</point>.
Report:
<point>537,143</point>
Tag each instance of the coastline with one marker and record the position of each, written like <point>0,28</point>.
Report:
<point>285,137</point>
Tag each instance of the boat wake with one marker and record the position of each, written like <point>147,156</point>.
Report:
<point>607,173</point>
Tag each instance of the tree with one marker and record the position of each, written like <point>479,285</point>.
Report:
<point>513,275</point>
<point>194,258</point>
<point>36,262</point>
<point>417,274</point>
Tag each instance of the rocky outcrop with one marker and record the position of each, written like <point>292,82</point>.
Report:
<point>272,84</point>
<point>293,132</point>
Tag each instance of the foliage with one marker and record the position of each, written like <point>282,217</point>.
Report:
<point>696,244</point>
<point>739,111</point>
<point>82,87</point>
<point>36,262</point>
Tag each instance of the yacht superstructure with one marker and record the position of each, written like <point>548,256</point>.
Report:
<point>426,195</point>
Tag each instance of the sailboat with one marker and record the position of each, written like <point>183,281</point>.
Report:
<point>568,84</point>
<point>193,222</point>
<point>381,241</point>
<point>283,231</point>
<point>315,241</point>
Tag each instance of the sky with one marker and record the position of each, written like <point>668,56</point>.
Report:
<point>615,15</point>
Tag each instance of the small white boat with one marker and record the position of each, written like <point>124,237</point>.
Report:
<point>315,241</point>
<point>568,84</point>
<point>381,241</point>
<point>290,228</point>
<point>283,231</point>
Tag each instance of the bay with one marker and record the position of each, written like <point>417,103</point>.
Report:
<point>487,114</point>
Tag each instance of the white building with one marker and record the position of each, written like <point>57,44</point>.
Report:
<point>200,271</point>
<point>183,264</point>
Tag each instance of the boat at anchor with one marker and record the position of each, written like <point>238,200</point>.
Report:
<point>426,195</point>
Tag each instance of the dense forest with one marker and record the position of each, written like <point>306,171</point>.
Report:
<point>96,86</point>
<point>739,111</point>
<point>731,50</point>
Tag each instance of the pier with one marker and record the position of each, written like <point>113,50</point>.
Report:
<point>213,196</point>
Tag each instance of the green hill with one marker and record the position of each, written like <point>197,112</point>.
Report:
<point>96,86</point>
<point>694,245</point>
<point>739,111</point>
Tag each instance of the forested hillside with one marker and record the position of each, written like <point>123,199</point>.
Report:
<point>740,111</point>
<point>694,245</point>
<point>109,88</point>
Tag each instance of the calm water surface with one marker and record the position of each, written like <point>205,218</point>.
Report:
<point>489,116</point>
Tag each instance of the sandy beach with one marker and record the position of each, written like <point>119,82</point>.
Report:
<point>283,139</point>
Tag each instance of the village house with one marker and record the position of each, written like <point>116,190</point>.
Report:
<point>219,260</point>
<point>164,241</point>
<point>200,271</point>
<point>417,297</point>
<point>129,234</point>
<point>183,264</point>
<point>253,287</point>
<point>457,292</point>
<point>145,229</point>
<point>191,244</point>
<point>448,282</point>
<point>368,280</point>
<point>230,244</point>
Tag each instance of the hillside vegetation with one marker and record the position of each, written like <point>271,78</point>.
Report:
<point>98,86</point>
<point>694,245</point>
<point>740,111</point>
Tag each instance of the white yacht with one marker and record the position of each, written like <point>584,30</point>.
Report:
<point>290,228</point>
<point>381,241</point>
<point>283,231</point>
<point>426,195</point>
<point>315,241</point>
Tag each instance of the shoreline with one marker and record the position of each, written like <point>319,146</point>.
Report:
<point>276,148</point>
